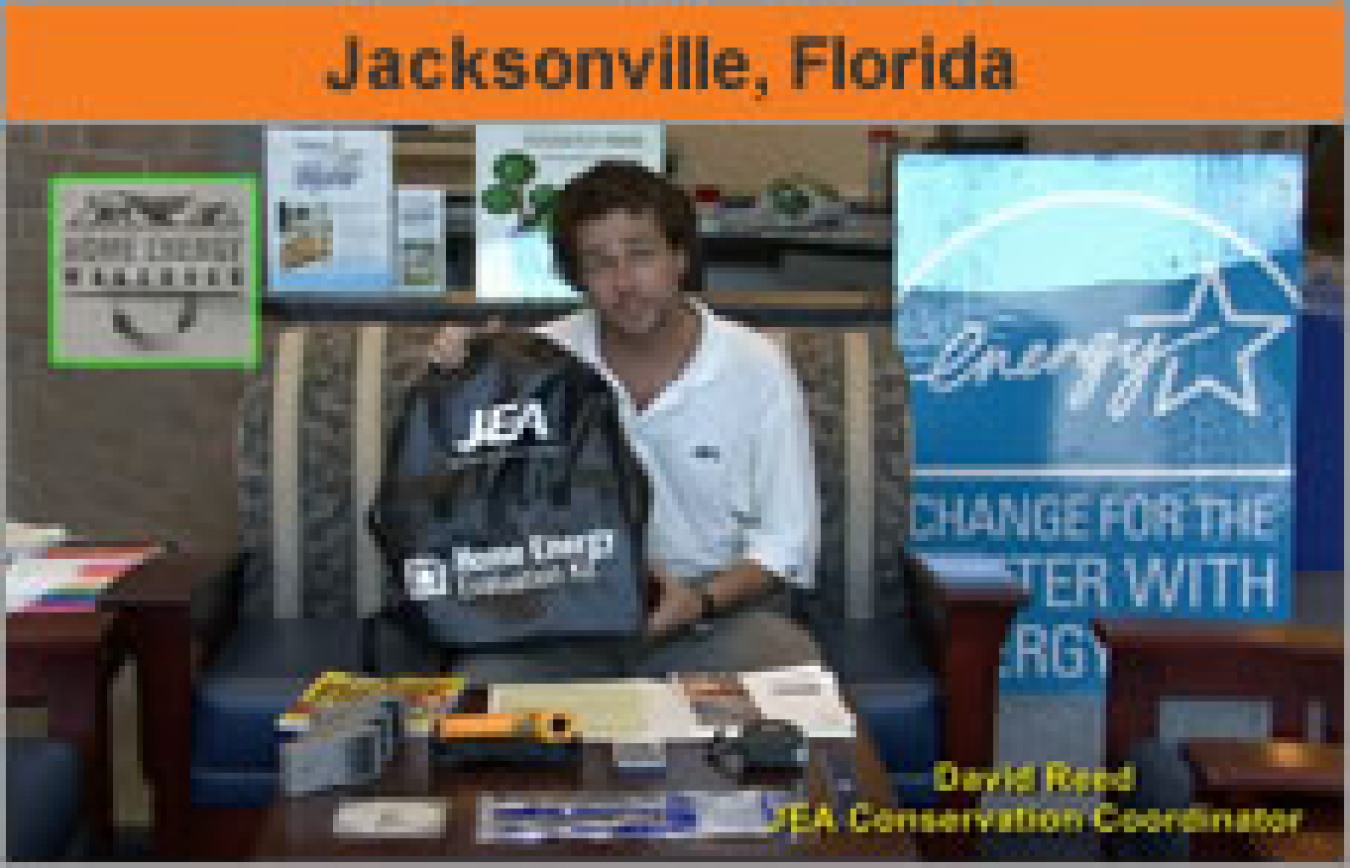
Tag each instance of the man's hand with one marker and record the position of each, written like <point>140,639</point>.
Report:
<point>677,605</point>
<point>447,350</point>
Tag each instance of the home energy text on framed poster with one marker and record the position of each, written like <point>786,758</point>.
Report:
<point>330,202</point>
<point>1103,357</point>
<point>519,170</point>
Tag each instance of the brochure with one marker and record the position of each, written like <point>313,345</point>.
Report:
<point>719,701</point>
<point>806,695</point>
<point>534,817</point>
<point>330,210</point>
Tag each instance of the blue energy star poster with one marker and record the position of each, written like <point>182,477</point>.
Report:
<point>1102,353</point>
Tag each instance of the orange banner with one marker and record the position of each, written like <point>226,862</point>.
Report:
<point>422,63</point>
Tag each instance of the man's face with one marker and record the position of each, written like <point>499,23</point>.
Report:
<point>631,272</point>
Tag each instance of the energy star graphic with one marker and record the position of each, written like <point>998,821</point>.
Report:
<point>1212,288</point>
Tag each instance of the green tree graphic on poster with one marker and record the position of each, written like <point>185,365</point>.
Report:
<point>513,171</point>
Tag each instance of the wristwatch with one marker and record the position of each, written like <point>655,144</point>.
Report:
<point>707,604</point>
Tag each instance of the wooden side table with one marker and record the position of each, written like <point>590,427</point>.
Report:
<point>66,661</point>
<point>156,598</point>
<point>1294,669</point>
<point>1306,776</point>
<point>1233,767</point>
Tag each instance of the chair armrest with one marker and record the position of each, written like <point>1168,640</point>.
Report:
<point>161,597</point>
<point>203,586</point>
<point>963,619</point>
<point>1173,637</point>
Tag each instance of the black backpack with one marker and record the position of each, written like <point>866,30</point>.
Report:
<point>512,507</point>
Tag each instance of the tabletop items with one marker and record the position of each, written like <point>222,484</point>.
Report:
<point>532,817</point>
<point>419,698</point>
<point>762,745</point>
<point>663,796</point>
<point>391,818</point>
<point>345,727</point>
<point>690,705</point>
<point>529,737</point>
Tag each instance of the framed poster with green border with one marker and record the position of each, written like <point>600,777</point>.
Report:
<point>153,270</point>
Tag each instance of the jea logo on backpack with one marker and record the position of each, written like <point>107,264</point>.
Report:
<point>504,423</point>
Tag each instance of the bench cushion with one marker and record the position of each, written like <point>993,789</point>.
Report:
<point>262,668</point>
<point>1163,782</point>
<point>883,671</point>
<point>42,798</point>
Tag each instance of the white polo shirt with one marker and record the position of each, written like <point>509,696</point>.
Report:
<point>727,448</point>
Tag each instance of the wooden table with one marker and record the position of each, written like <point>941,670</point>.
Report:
<point>1289,667</point>
<point>156,599</point>
<point>301,827</point>
<point>1276,773</point>
<point>66,661</point>
<point>1152,659</point>
<point>1235,768</point>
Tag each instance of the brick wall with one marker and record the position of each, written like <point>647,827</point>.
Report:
<point>113,451</point>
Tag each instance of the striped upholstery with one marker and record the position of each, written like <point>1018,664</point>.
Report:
<point>313,425</point>
<point>858,401</point>
<point>311,434</point>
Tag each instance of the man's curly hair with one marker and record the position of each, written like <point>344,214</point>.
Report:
<point>614,185</point>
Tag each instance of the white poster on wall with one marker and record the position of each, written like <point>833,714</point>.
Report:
<point>330,202</point>
<point>421,238</point>
<point>519,170</point>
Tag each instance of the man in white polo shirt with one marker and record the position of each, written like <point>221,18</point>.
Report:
<point>715,413</point>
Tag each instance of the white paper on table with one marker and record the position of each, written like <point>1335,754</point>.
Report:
<point>391,818</point>
<point>670,717</point>
<point>805,695</point>
<point>22,535</point>
<point>29,579</point>
<point>24,540</point>
<point>622,709</point>
<point>739,812</point>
